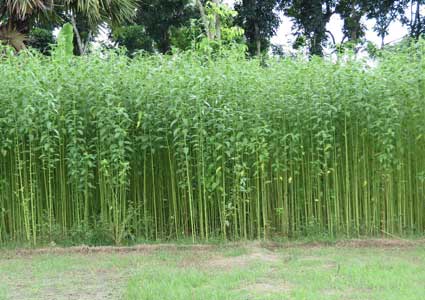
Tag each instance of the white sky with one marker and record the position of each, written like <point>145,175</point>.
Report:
<point>285,37</point>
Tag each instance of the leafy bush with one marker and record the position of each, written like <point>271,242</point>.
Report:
<point>41,39</point>
<point>134,38</point>
<point>184,146</point>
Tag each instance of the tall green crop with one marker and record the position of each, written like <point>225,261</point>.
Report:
<point>185,147</point>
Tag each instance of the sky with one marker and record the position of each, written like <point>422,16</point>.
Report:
<point>285,37</point>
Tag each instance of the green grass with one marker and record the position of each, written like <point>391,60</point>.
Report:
<point>218,272</point>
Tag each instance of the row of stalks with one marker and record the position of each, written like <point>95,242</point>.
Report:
<point>161,148</point>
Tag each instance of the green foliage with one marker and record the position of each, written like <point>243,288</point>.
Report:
<point>65,45</point>
<point>134,38</point>
<point>186,37</point>
<point>187,146</point>
<point>230,36</point>
<point>415,19</point>
<point>226,16</point>
<point>260,20</point>
<point>384,12</point>
<point>351,12</point>
<point>18,18</point>
<point>41,39</point>
<point>310,18</point>
<point>93,233</point>
<point>157,25</point>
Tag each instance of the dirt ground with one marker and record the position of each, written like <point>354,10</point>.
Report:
<point>149,248</point>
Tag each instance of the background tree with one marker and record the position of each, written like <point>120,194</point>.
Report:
<point>18,17</point>
<point>134,38</point>
<point>186,37</point>
<point>310,18</point>
<point>414,20</point>
<point>86,17</point>
<point>260,20</point>
<point>351,12</point>
<point>160,17</point>
<point>41,39</point>
<point>212,13</point>
<point>385,12</point>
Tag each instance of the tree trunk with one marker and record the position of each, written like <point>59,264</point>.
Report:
<point>417,21</point>
<point>354,35</point>
<point>204,19</point>
<point>87,42</point>
<point>354,18</point>
<point>257,39</point>
<point>217,23</point>
<point>80,45</point>
<point>217,27</point>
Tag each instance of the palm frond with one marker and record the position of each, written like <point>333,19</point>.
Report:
<point>12,37</point>
<point>22,8</point>
<point>113,11</point>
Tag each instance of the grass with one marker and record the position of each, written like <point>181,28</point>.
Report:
<point>238,272</point>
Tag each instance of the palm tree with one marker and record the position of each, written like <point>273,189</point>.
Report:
<point>18,16</point>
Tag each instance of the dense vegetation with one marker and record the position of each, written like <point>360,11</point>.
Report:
<point>160,147</point>
<point>163,25</point>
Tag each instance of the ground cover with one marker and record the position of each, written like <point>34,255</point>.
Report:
<point>371,269</point>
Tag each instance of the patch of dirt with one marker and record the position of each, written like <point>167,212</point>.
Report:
<point>353,243</point>
<point>269,287</point>
<point>215,259</point>
<point>347,293</point>
<point>104,249</point>
<point>315,261</point>
<point>271,246</point>
<point>257,255</point>
<point>379,243</point>
<point>97,285</point>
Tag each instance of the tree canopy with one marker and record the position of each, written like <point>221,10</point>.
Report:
<point>18,17</point>
<point>160,25</point>
<point>260,20</point>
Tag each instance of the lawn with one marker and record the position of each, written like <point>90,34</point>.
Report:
<point>376,270</point>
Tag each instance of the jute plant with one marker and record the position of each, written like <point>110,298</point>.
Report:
<point>187,147</point>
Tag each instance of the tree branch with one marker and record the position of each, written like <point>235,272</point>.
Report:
<point>332,36</point>
<point>77,35</point>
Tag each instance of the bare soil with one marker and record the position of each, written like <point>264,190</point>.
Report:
<point>149,248</point>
